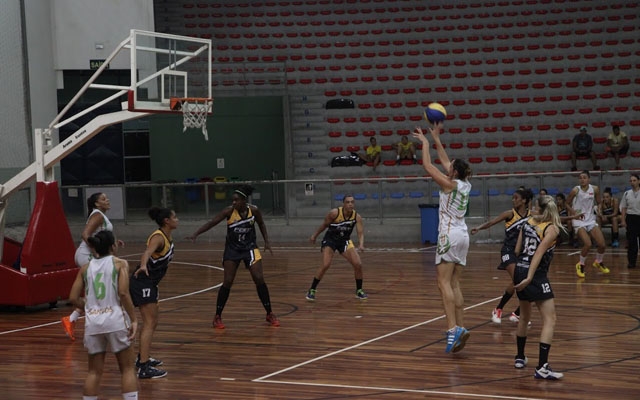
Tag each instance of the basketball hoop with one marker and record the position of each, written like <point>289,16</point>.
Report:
<point>194,112</point>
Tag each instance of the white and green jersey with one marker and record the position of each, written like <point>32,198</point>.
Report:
<point>102,307</point>
<point>453,207</point>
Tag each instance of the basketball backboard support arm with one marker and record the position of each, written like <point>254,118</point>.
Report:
<point>47,156</point>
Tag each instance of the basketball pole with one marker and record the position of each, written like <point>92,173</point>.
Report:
<point>46,156</point>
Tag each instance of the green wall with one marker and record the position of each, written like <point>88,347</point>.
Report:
<point>247,132</point>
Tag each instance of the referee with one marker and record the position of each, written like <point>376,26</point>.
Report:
<point>630,212</point>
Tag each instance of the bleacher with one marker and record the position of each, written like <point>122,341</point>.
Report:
<point>518,78</point>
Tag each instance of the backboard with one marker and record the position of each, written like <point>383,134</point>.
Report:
<point>165,66</point>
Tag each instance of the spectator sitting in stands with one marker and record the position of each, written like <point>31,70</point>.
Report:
<point>617,143</point>
<point>536,204</point>
<point>565,218</point>
<point>609,214</point>
<point>583,147</point>
<point>372,154</point>
<point>406,150</point>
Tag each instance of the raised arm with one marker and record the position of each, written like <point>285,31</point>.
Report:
<point>504,216</point>
<point>225,213</point>
<point>442,154</point>
<point>440,178</point>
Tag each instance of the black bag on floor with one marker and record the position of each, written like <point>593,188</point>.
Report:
<point>347,161</point>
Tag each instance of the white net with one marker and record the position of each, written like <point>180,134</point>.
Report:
<point>194,112</point>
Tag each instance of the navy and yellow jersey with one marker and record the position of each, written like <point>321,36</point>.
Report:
<point>158,263</point>
<point>563,213</point>
<point>607,209</point>
<point>241,232</point>
<point>532,234</point>
<point>512,227</point>
<point>341,227</point>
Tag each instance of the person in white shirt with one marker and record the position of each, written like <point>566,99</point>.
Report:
<point>101,289</point>
<point>453,238</point>
<point>630,214</point>
<point>583,201</point>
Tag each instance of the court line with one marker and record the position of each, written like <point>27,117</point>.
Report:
<point>355,346</point>
<point>265,378</point>
<point>28,328</point>
<point>396,390</point>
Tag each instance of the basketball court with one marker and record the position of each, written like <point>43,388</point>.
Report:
<point>390,346</point>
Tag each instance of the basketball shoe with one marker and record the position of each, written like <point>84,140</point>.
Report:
<point>462,341</point>
<point>146,371</point>
<point>545,372</point>
<point>217,322</point>
<point>311,295</point>
<point>521,362</point>
<point>272,319</point>
<point>601,267</point>
<point>152,361</point>
<point>580,270</point>
<point>453,335</point>
<point>496,316</point>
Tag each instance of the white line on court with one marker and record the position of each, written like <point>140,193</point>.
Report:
<point>366,342</point>
<point>28,328</point>
<point>392,389</point>
<point>265,379</point>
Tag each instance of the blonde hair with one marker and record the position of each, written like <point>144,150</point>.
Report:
<point>549,212</point>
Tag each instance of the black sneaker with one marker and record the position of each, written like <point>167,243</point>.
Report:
<point>146,371</point>
<point>152,361</point>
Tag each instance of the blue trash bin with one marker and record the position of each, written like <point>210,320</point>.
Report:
<point>429,222</point>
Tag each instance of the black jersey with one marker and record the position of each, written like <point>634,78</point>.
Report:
<point>532,234</point>
<point>158,263</point>
<point>241,232</point>
<point>607,210</point>
<point>563,213</point>
<point>341,227</point>
<point>512,228</point>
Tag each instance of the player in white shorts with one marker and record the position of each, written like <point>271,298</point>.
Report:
<point>583,201</point>
<point>453,238</point>
<point>101,289</point>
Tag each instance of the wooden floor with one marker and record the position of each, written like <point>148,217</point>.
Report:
<point>388,347</point>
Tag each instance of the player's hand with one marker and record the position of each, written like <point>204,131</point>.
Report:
<point>133,329</point>
<point>191,238</point>
<point>523,284</point>
<point>120,243</point>
<point>418,134</point>
<point>141,269</point>
<point>312,239</point>
<point>437,128</point>
<point>474,231</point>
<point>267,246</point>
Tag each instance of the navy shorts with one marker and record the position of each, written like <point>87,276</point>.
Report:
<point>249,257</point>
<point>508,256</point>
<point>539,289</point>
<point>143,290</point>
<point>341,245</point>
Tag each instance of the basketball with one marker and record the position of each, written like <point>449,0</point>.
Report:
<point>435,113</point>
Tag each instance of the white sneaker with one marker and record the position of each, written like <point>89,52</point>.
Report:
<point>545,372</point>
<point>515,318</point>
<point>520,362</point>
<point>496,316</point>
